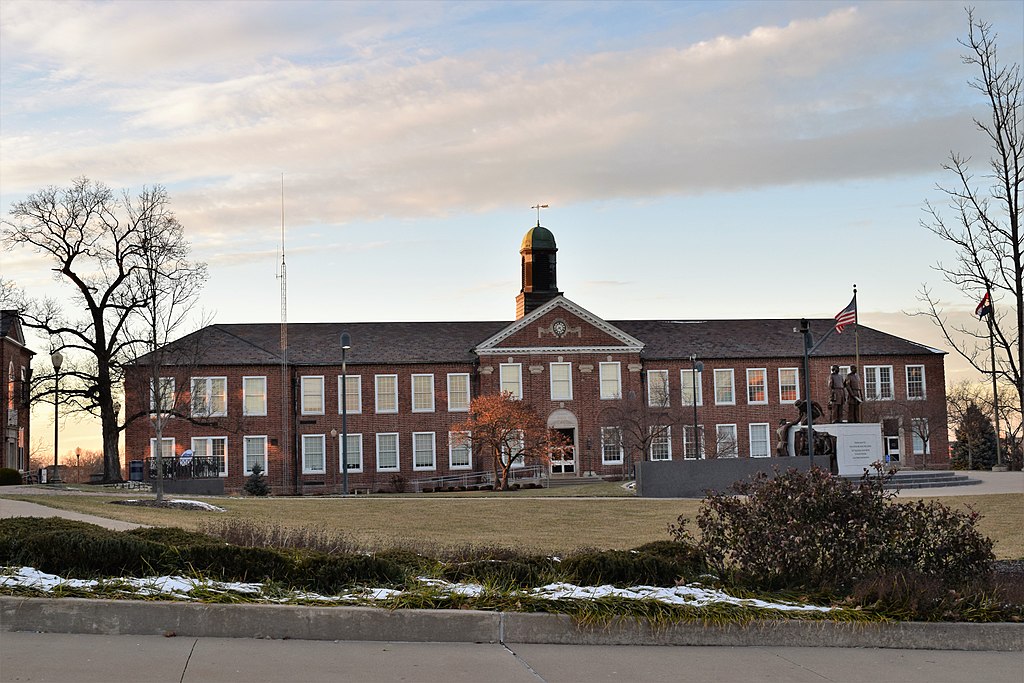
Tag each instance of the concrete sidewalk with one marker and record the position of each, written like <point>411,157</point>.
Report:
<point>990,482</point>
<point>20,508</point>
<point>61,658</point>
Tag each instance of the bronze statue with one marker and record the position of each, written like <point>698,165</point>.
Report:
<point>836,396</point>
<point>854,395</point>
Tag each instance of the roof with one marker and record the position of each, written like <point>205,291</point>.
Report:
<point>453,342</point>
<point>538,237</point>
<point>10,328</point>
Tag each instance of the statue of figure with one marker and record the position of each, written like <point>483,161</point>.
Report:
<point>801,406</point>
<point>836,396</point>
<point>854,395</point>
<point>782,440</point>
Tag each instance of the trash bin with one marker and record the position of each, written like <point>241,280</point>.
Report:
<point>135,470</point>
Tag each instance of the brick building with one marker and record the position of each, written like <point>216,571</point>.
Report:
<point>15,375</point>
<point>242,401</point>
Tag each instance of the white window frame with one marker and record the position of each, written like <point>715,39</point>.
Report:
<point>416,451</point>
<point>168,399</point>
<point>246,455</point>
<point>915,437</point>
<point>567,381</point>
<point>616,368</point>
<point>398,458</point>
<point>924,385</point>
<point>665,438</point>
<point>316,383</point>
<point>750,385</point>
<point>378,394</point>
<point>686,379</point>
<point>210,439</point>
<point>650,389</point>
<point>767,428</point>
<point>166,440</point>
<point>505,384</point>
<point>701,446</point>
<point>612,437</point>
<point>424,407</point>
<point>355,464</point>
<point>731,399</point>
<point>876,370</point>
<point>735,450</point>
<point>454,444</point>
<point>458,407</point>
<point>313,438</point>
<point>350,381</point>
<point>246,394</point>
<point>796,375</point>
<point>208,383</point>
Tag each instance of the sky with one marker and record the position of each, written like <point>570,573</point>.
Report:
<point>700,159</point>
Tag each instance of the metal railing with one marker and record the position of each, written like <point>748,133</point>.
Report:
<point>468,479</point>
<point>196,467</point>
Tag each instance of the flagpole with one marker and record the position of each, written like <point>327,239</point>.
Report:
<point>856,329</point>
<point>995,387</point>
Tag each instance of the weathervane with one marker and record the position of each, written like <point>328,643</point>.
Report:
<point>539,207</point>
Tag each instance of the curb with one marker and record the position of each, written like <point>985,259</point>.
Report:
<point>134,617</point>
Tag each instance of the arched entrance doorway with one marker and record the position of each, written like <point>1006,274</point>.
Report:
<point>565,423</point>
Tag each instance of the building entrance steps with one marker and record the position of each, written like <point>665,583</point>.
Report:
<point>915,479</point>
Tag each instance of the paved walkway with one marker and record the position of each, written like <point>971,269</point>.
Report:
<point>19,508</point>
<point>63,658</point>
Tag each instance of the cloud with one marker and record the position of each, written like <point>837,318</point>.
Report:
<point>366,129</point>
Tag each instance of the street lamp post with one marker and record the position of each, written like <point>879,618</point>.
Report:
<point>346,344</point>
<point>57,359</point>
<point>698,367</point>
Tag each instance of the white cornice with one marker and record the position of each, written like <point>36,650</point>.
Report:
<point>519,350</point>
<point>629,343</point>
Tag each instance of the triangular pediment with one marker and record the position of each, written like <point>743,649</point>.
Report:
<point>558,326</point>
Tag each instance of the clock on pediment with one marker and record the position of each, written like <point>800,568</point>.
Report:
<point>559,328</point>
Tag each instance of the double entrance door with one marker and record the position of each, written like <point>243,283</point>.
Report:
<point>563,460</point>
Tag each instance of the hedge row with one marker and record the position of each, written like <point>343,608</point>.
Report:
<point>77,549</point>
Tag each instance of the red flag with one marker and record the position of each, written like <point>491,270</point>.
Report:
<point>985,307</point>
<point>847,316</point>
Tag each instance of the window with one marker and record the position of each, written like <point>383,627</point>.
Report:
<point>760,440</point>
<point>458,392</point>
<point>657,388</point>
<point>561,381</point>
<point>789,385</point>
<point>254,449</point>
<point>726,445</point>
<point>757,385</point>
<point>387,453</point>
<point>354,456</point>
<point>212,450</point>
<point>460,451</point>
<point>915,382</point>
<point>313,395</point>
<point>160,394</point>
<point>423,455</point>
<point>166,450</point>
<point>354,397</point>
<point>209,396</point>
<point>611,380</point>
<point>513,449</point>
<point>611,446</point>
<point>661,443</point>
<point>254,396</point>
<point>686,382</point>
<point>422,393</point>
<point>512,379</point>
<point>313,460</point>
<point>693,450</point>
<point>725,391</point>
<point>919,435</point>
<point>877,382</point>
<point>387,393</point>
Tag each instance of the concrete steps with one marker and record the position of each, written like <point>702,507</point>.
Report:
<point>924,479</point>
<point>558,480</point>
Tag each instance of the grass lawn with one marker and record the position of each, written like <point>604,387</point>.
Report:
<point>524,519</point>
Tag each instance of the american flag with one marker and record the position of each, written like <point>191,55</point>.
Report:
<point>847,316</point>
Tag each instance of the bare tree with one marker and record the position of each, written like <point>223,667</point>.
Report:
<point>917,417</point>
<point>123,258</point>
<point>984,227</point>
<point>641,424</point>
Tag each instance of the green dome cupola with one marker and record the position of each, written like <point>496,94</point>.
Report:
<point>539,272</point>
